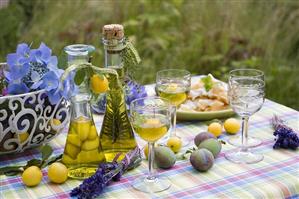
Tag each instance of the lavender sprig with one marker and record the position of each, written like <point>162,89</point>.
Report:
<point>94,185</point>
<point>286,137</point>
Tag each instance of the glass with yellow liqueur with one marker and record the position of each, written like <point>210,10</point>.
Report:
<point>150,119</point>
<point>174,85</point>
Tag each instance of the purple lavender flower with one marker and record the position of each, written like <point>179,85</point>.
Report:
<point>134,91</point>
<point>286,137</point>
<point>94,186</point>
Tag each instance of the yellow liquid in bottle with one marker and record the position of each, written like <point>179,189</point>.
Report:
<point>151,128</point>
<point>120,71</point>
<point>116,135</point>
<point>82,152</point>
<point>176,93</point>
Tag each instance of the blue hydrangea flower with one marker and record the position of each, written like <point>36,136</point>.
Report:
<point>35,69</point>
<point>16,87</point>
<point>50,81</point>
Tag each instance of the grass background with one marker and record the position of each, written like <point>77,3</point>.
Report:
<point>202,36</point>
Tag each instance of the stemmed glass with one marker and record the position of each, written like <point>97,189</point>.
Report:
<point>174,85</point>
<point>256,74</point>
<point>150,118</point>
<point>246,93</point>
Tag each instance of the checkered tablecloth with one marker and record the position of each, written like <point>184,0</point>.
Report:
<point>277,176</point>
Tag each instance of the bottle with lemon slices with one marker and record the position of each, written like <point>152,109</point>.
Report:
<point>83,151</point>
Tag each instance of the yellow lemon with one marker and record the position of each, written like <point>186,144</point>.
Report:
<point>32,176</point>
<point>215,128</point>
<point>55,123</point>
<point>172,87</point>
<point>232,126</point>
<point>92,133</point>
<point>90,144</point>
<point>82,128</point>
<point>57,173</point>
<point>68,160</point>
<point>175,144</point>
<point>152,122</point>
<point>72,150</point>
<point>98,84</point>
<point>22,136</point>
<point>93,156</point>
<point>74,139</point>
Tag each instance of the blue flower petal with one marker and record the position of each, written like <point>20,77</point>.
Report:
<point>11,59</point>
<point>50,81</point>
<point>14,89</point>
<point>36,85</point>
<point>52,64</point>
<point>23,49</point>
<point>35,56</point>
<point>54,96</point>
<point>45,52</point>
<point>35,76</point>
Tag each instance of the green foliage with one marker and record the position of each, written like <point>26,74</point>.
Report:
<point>207,82</point>
<point>202,36</point>
<point>46,152</point>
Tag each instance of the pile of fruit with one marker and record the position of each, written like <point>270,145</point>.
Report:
<point>207,147</point>
<point>231,126</point>
<point>82,144</point>
<point>57,173</point>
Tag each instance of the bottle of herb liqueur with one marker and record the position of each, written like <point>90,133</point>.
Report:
<point>82,153</point>
<point>117,134</point>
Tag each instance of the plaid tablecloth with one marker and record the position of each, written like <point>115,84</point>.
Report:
<point>277,176</point>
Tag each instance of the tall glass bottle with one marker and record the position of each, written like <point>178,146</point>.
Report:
<point>117,134</point>
<point>82,152</point>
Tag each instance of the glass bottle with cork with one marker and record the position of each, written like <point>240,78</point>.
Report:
<point>117,134</point>
<point>114,43</point>
<point>83,151</point>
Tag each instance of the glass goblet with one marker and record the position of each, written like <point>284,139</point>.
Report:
<point>237,140</point>
<point>174,85</point>
<point>150,118</point>
<point>246,93</point>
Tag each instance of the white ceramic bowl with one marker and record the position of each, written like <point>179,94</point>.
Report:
<point>29,120</point>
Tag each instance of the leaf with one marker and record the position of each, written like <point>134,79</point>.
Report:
<point>33,162</point>
<point>208,82</point>
<point>10,170</point>
<point>13,172</point>
<point>46,152</point>
<point>80,76</point>
<point>52,160</point>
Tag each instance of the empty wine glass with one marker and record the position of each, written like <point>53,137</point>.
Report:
<point>246,95</point>
<point>251,141</point>
<point>174,85</point>
<point>150,118</point>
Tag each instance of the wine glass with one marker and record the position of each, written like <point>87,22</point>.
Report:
<point>150,118</point>
<point>246,93</point>
<point>237,140</point>
<point>174,85</point>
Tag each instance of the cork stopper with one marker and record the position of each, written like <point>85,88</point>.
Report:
<point>113,31</point>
